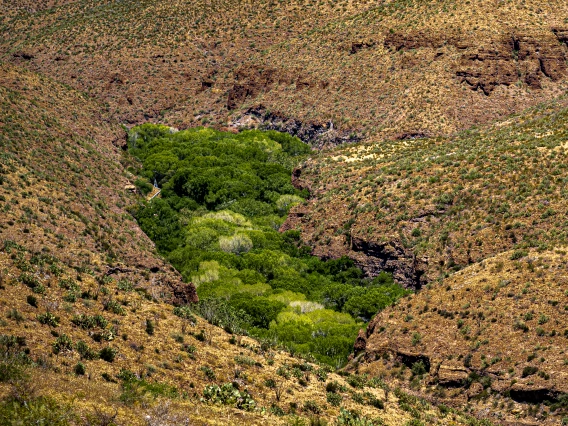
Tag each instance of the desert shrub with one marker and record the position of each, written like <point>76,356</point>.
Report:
<point>227,394</point>
<point>125,285</point>
<point>150,327</point>
<point>85,351</point>
<point>418,368</point>
<point>334,399</point>
<point>32,300</point>
<point>114,307</point>
<point>529,370</point>
<point>108,353</point>
<point>209,373</point>
<point>88,322</point>
<point>80,369</point>
<point>49,319</point>
<point>62,344</point>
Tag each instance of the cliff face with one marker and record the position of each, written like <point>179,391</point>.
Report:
<point>63,187</point>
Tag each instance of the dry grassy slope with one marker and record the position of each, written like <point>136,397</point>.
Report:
<point>491,320</point>
<point>146,57</point>
<point>399,68</point>
<point>163,358</point>
<point>428,207</point>
<point>417,68</point>
<point>62,186</point>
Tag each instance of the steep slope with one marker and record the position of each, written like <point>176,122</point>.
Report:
<point>328,71</point>
<point>491,337</point>
<point>63,187</point>
<point>425,208</point>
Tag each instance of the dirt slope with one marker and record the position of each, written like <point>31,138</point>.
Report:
<point>426,208</point>
<point>491,337</point>
<point>63,186</point>
<point>328,71</point>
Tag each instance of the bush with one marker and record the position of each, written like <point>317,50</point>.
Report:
<point>85,351</point>
<point>49,319</point>
<point>108,354</point>
<point>114,307</point>
<point>529,370</point>
<point>150,327</point>
<point>334,399</point>
<point>79,369</point>
<point>62,344</point>
<point>227,394</point>
<point>88,322</point>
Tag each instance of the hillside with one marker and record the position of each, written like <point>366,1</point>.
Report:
<point>478,223</point>
<point>329,72</point>
<point>87,335</point>
<point>491,338</point>
<point>426,208</point>
<point>430,230</point>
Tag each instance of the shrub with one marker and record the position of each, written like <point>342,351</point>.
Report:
<point>529,370</point>
<point>416,339</point>
<point>334,399</point>
<point>227,394</point>
<point>85,351</point>
<point>62,344</point>
<point>32,300</point>
<point>88,322</point>
<point>418,368</point>
<point>125,285</point>
<point>312,407</point>
<point>209,373</point>
<point>150,327</point>
<point>49,319</point>
<point>108,354</point>
<point>114,307</point>
<point>79,369</point>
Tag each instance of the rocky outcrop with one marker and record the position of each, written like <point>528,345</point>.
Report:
<point>406,268</point>
<point>525,58</point>
<point>316,134</point>
<point>183,293</point>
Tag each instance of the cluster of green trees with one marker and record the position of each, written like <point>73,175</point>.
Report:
<point>224,197</point>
